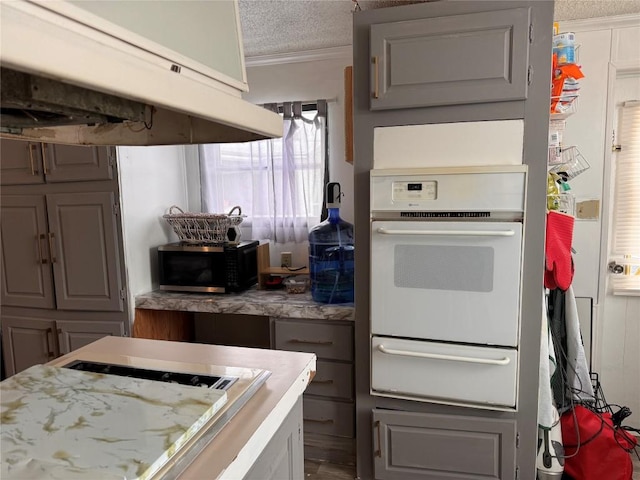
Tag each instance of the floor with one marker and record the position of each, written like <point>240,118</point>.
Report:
<point>316,470</point>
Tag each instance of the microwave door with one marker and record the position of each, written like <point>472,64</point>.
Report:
<point>193,270</point>
<point>448,281</point>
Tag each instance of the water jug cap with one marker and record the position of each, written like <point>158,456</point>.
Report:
<point>333,195</point>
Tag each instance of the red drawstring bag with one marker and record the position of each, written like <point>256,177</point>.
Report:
<point>600,447</point>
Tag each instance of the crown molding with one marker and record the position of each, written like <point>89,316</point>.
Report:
<point>333,53</point>
<point>600,23</point>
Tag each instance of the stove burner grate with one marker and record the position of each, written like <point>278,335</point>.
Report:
<point>194,379</point>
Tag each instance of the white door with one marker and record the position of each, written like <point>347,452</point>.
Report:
<point>452,281</point>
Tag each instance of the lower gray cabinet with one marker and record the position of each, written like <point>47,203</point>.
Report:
<point>328,417</point>
<point>282,458</point>
<point>426,446</point>
<point>28,341</point>
<point>73,335</point>
<point>329,412</point>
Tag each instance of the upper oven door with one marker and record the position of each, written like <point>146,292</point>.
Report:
<point>450,281</point>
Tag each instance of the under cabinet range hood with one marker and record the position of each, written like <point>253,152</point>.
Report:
<point>126,73</point>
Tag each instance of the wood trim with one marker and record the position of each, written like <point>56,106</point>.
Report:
<point>348,114</point>
<point>163,325</point>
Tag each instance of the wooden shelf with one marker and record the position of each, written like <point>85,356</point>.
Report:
<point>284,271</point>
<point>265,270</point>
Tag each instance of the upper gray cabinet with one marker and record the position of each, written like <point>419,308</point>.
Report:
<point>449,60</point>
<point>25,163</point>
<point>20,162</point>
<point>60,251</point>
<point>27,279</point>
<point>77,163</point>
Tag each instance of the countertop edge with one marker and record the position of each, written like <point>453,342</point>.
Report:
<point>264,305</point>
<point>260,439</point>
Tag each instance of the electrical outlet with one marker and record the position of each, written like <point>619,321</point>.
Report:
<point>285,259</point>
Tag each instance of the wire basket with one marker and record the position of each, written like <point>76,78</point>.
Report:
<point>572,165</point>
<point>202,227</point>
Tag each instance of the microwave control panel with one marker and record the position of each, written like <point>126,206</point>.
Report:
<point>409,191</point>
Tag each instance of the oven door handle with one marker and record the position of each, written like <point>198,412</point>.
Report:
<point>451,358</point>
<point>460,233</point>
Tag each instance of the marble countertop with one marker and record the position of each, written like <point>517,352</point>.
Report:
<point>63,423</point>
<point>272,303</point>
<point>230,454</point>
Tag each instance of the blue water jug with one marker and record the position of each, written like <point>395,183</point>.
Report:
<point>331,254</point>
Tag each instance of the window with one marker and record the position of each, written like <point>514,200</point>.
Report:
<point>626,217</point>
<point>278,183</point>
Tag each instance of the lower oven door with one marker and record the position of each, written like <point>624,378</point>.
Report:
<point>444,373</point>
<point>451,281</point>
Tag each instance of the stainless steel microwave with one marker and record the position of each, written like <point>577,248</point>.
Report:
<point>208,268</point>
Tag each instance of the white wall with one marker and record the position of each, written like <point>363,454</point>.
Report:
<point>604,44</point>
<point>304,80</point>
<point>152,179</point>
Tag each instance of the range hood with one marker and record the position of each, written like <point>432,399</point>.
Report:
<point>70,76</point>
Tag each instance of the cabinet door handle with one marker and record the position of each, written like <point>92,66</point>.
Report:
<point>32,162</point>
<point>39,239</point>
<point>52,247</point>
<point>311,342</point>
<point>378,452</point>
<point>313,420</point>
<point>375,78</point>
<point>50,353</point>
<point>44,158</point>
<point>452,233</point>
<point>450,358</point>
<point>323,382</point>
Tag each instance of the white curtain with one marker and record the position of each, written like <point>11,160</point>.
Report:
<point>278,183</point>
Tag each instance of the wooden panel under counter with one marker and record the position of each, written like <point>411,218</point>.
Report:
<point>171,325</point>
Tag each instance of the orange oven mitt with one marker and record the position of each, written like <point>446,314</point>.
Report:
<point>559,264</point>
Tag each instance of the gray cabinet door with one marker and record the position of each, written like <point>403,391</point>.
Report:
<point>450,60</point>
<point>26,272</point>
<point>426,446</point>
<point>20,162</point>
<point>76,163</point>
<point>75,334</point>
<point>27,342</point>
<point>83,236</point>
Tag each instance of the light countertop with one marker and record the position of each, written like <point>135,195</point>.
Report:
<point>233,450</point>
<point>272,303</point>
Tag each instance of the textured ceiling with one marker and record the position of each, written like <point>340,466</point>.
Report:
<point>285,26</point>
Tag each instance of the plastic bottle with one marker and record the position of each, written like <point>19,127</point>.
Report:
<point>331,254</point>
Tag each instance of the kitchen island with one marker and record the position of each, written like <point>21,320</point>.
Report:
<point>262,440</point>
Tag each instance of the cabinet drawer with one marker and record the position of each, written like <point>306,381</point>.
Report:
<point>332,380</point>
<point>426,446</point>
<point>333,342</point>
<point>444,373</point>
<point>327,417</point>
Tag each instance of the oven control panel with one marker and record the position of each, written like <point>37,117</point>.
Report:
<point>414,191</point>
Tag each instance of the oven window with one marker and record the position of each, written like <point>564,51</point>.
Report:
<point>444,267</point>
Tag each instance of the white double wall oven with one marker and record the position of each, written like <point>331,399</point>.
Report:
<point>446,257</point>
